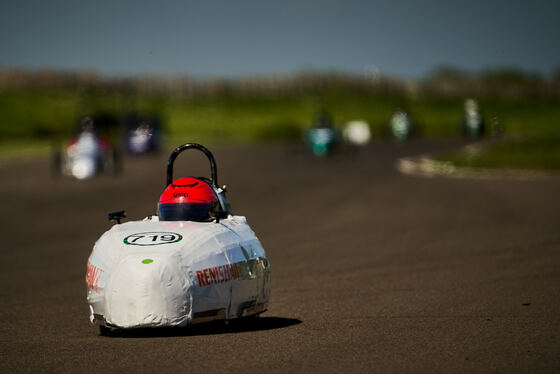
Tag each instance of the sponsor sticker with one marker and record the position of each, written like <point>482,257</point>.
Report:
<point>152,238</point>
<point>93,274</point>
<point>218,274</point>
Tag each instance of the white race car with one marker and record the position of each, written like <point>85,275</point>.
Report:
<point>193,262</point>
<point>86,154</point>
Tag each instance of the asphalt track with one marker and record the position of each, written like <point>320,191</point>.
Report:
<point>372,271</point>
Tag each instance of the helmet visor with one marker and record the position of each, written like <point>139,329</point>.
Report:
<point>185,211</point>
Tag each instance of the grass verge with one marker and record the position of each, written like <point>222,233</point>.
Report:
<point>32,119</point>
<point>528,154</point>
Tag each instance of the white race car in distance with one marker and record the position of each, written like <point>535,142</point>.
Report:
<point>86,154</point>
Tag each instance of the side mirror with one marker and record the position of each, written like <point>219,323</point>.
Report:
<point>222,198</point>
<point>219,214</point>
<point>117,216</point>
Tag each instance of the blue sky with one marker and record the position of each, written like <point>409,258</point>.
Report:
<point>244,37</point>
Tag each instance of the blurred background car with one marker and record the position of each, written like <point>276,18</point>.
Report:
<point>401,126</point>
<point>357,133</point>
<point>323,137</point>
<point>472,125</point>
<point>142,134</point>
<point>86,154</point>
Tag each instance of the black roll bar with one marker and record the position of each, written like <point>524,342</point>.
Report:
<point>184,147</point>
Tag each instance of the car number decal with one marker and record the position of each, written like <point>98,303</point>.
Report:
<point>152,238</point>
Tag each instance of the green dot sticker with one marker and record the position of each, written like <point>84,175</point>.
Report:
<point>147,261</point>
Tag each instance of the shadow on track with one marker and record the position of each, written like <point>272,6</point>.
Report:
<point>209,328</point>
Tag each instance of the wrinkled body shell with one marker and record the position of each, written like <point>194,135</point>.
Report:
<point>157,274</point>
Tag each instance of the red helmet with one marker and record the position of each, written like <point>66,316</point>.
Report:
<point>187,199</point>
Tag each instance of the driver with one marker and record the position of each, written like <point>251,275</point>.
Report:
<point>187,199</point>
<point>324,120</point>
<point>86,125</point>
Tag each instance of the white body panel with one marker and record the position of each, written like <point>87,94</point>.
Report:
<point>173,273</point>
<point>357,133</point>
<point>82,157</point>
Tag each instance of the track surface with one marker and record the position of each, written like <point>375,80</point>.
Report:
<point>372,271</point>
